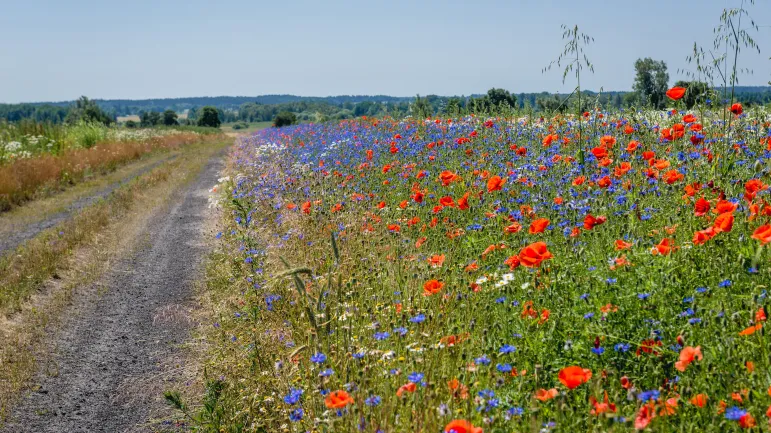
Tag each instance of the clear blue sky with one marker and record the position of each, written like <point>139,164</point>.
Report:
<point>60,49</point>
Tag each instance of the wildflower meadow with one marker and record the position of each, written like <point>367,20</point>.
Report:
<point>496,274</point>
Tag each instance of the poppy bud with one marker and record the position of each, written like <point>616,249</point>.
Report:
<point>680,340</point>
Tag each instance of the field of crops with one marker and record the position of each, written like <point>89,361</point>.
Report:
<point>496,274</point>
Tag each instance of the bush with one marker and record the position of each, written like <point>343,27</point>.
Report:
<point>208,116</point>
<point>284,118</point>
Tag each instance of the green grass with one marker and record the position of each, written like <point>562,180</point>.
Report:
<point>253,127</point>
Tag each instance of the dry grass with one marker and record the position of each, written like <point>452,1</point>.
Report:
<point>22,179</point>
<point>39,280</point>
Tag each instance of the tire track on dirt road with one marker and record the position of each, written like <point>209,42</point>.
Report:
<point>113,348</point>
<point>21,234</point>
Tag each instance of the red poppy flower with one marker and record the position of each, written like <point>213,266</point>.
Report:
<point>601,408</point>
<point>751,330</point>
<point>574,376</point>
<point>687,355</point>
<point>590,221</point>
<point>532,255</point>
<point>644,416</point>
<point>701,207</point>
<point>436,261</point>
<point>703,236</point>
<point>672,176</point>
<point>676,93</point>
<point>648,346</point>
<point>463,202</point>
<point>538,226</point>
<point>461,426</point>
<point>724,222</point>
<point>699,400</point>
<point>447,201</point>
<point>338,400</point>
<point>724,206</point>
<point>512,262</point>
<point>763,234</point>
<point>495,183</point>
<point>448,177</point>
<point>747,421</point>
<point>408,387</point>
<point>544,395</point>
<point>432,287</point>
<point>737,109</point>
<point>664,247</point>
<point>622,245</point>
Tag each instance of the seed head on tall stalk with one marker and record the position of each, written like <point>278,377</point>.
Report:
<point>730,37</point>
<point>574,59</point>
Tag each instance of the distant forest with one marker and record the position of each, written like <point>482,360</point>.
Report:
<point>266,107</point>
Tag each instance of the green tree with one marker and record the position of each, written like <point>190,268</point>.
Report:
<point>501,99</point>
<point>208,116</point>
<point>170,118</point>
<point>284,118</point>
<point>421,107</point>
<point>651,81</point>
<point>149,118</point>
<point>551,104</point>
<point>87,110</point>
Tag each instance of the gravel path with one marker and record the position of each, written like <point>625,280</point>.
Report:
<point>114,350</point>
<point>29,231</point>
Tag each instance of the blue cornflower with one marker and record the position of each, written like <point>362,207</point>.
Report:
<point>296,415</point>
<point>486,393</point>
<point>293,397</point>
<point>504,368</point>
<point>401,331</point>
<point>326,373</point>
<point>725,283</point>
<point>418,319</point>
<point>622,347</point>
<point>416,377</point>
<point>598,350</point>
<point>588,315</point>
<point>734,413</point>
<point>649,395</point>
<point>379,336</point>
<point>318,358</point>
<point>483,360</point>
<point>515,411</point>
<point>373,401</point>
<point>643,296</point>
<point>507,349</point>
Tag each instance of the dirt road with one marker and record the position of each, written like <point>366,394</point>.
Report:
<point>122,338</point>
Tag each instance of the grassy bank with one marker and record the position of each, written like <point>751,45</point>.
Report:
<point>24,178</point>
